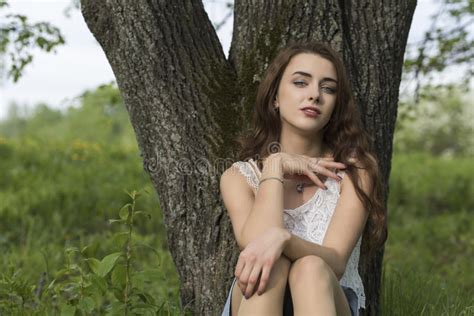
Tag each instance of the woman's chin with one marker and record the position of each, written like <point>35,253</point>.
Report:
<point>305,126</point>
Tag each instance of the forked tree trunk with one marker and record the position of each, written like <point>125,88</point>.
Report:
<point>186,102</point>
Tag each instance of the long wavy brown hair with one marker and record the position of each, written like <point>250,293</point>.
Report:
<point>344,134</point>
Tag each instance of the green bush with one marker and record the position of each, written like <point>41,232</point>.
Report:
<point>88,285</point>
<point>423,185</point>
<point>62,180</point>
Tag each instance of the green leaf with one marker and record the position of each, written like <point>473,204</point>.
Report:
<point>99,283</point>
<point>108,263</point>
<point>50,286</point>
<point>130,194</point>
<point>90,250</point>
<point>93,264</point>
<point>118,293</point>
<point>143,308</point>
<point>119,238</point>
<point>67,310</point>
<point>119,276</point>
<point>124,211</point>
<point>117,308</point>
<point>42,42</point>
<point>146,298</point>
<point>143,214</point>
<point>87,304</point>
<point>62,272</point>
<point>116,221</point>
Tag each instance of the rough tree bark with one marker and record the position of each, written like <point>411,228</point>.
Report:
<point>186,102</point>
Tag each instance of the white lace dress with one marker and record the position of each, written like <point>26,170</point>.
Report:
<point>311,220</point>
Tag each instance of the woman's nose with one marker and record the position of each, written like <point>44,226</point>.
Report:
<point>314,97</point>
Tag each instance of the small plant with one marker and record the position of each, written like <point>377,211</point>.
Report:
<point>89,285</point>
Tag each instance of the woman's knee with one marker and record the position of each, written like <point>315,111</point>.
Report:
<point>310,269</point>
<point>282,265</point>
<point>279,273</point>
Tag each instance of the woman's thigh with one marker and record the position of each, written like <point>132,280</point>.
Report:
<point>236,299</point>
<point>288,303</point>
<point>313,271</point>
<point>340,299</point>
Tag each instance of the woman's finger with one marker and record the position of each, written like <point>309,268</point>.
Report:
<point>252,281</point>
<point>315,179</point>
<point>328,163</point>
<point>239,267</point>
<point>244,277</point>
<point>264,279</point>
<point>327,173</point>
<point>240,285</point>
<point>319,169</point>
<point>326,158</point>
<point>332,164</point>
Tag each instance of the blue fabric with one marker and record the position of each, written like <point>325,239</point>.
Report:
<point>288,304</point>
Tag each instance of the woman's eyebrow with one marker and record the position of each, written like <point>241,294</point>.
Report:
<point>310,76</point>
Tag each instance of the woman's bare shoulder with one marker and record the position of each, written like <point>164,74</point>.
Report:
<point>238,198</point>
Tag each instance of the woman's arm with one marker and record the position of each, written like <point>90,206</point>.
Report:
<point>257,222</point>
<point>252,215</point>
<point>344,230</point>
<point>267,210</point>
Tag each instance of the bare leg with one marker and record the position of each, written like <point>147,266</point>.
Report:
<point>315,289</point>
<point>271,301</point>
<point>236,299</point>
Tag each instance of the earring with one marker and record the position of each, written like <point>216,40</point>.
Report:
<point>275,106</point>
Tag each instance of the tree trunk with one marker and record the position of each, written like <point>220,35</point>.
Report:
<point>187,102</point>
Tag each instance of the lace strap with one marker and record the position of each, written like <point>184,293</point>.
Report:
<point>255,168</point>
<point>247,170</point>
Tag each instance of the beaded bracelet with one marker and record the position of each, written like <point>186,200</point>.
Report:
<point>264,179</point>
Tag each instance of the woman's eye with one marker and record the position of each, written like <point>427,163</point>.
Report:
<point>299,83</point>
<point>329,90</point>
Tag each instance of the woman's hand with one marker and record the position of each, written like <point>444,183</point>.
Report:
<point>301,167</point>
<point>257,260</point>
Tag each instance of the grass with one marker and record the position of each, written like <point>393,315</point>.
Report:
<point>429,251</point>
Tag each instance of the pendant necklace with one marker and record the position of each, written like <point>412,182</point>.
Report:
<point>300,187</point>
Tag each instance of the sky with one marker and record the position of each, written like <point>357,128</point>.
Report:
<point>80,64</point>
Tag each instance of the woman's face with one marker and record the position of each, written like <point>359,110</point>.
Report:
<point>308,81</point>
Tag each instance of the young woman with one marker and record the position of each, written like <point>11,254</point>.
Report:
<point>299,207</point>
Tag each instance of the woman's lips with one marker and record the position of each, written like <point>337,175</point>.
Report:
<point>310,113</point>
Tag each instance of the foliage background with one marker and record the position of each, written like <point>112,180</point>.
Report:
<point>64,175</point>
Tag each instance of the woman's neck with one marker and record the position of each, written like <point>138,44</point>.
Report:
<point>303,145</point>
